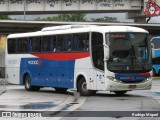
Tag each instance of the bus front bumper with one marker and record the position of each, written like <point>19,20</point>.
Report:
<point>120,86</point>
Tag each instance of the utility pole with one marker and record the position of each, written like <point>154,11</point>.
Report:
<point>24,2</point>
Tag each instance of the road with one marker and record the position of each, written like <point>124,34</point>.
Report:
<point>131,103</point>
<point>17,99</point>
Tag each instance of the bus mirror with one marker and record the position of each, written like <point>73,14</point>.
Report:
<point>153,53</point>
<point>152,45</point>
<point>152,50</point>
<point>106,52</point>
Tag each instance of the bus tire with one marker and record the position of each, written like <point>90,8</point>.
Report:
<point>82,88</point>
<point>61,90</point>
<point>120,93</point>
<point>28,86</point>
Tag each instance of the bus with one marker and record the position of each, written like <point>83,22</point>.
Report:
<point>87,58</point>
<point>155,41</point>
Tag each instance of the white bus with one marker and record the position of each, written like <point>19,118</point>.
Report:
<point>86,58</point>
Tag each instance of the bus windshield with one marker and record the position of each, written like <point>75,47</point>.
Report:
<point>129,52</point>
<point>156,42</point>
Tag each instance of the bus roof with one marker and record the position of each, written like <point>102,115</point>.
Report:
<point>78,29</point>
<point>156,37</point>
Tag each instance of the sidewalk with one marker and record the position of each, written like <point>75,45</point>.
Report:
<point>156,77</point>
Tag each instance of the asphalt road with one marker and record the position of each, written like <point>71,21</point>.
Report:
<point>104,105</point>
<point>145,102</point>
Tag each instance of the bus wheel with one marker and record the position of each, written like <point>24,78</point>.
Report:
<point>120,93</point>
<point>82,88</point>
<point>61,90</point>
<point>28,86</point>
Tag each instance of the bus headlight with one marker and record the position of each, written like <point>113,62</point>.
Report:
<point>112,78</point>
<point>149,78</point>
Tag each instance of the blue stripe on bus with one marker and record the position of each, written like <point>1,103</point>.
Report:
<point>131,78</point>
<point>48,73</point>
<point>157,53</point>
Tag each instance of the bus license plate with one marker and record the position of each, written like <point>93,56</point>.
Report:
<point>132,86</point>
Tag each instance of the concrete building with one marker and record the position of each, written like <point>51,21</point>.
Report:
<point>135,9</point>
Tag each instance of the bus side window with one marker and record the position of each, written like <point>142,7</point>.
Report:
<point>59,43</point>
<point>48,43</point>
<point>75,42</point>
<point>84,42</point>
<point>156,42</point>
<point>35,44</point>
<point>67,43</point>
<point>22,45</point>
<point>12,46</point>
<point>64,43</point>
<point>54,43</point>
<point>81,42</point>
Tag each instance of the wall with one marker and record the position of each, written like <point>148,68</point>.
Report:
<point>2,55</point>
<point>68,5</point>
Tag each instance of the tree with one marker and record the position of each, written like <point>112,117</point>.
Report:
<point>65,17</point>
<point>4,17</point>
<point>104,19</point>
<point>77,18</point>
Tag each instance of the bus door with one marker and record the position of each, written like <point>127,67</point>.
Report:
<point>93,81</point>
<point>100,80</point>
<point>98,59</point>
<point>97,80</point>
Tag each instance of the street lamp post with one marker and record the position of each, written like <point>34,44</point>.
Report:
<point>24,2</point>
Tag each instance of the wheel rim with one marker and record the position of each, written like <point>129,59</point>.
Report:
<point>84,87</point>
<point>28,84</point>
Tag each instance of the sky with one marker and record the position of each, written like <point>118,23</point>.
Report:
<point>120,17</point>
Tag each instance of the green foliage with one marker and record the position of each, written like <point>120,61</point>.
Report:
<point>65,17</point>
<point>4,17</point>
<point>72,17</point>
<point>104,19</point>
<point>77,18</point>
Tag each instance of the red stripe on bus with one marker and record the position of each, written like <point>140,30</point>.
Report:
<point>145,74</point>
<point>62,56</point>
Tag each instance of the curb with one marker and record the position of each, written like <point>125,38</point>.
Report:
<point>2,89</point>
<point>156,78</point>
